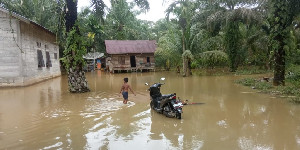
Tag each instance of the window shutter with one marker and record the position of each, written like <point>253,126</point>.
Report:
<point>40,59</point>
<point>48,60</point>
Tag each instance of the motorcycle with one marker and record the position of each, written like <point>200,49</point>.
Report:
<point>164,104</point>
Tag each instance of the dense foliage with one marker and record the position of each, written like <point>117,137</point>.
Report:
<point>211,59</point>
<point>230,33</point>
<point>75,49</point>
<point>45,12</point>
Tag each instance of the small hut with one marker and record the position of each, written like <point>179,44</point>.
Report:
<point>130,55</point>
<point>93,60</point>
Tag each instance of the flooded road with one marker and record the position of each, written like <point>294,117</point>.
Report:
<point>47,116</point>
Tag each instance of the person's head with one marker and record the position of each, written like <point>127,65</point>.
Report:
<point>126,80</point>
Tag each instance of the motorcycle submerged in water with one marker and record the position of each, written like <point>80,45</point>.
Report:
<point>165,104</point>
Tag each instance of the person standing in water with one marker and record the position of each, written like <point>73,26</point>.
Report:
<point>124,90</point>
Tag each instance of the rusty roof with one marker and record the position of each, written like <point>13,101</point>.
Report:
<point>130,46</point>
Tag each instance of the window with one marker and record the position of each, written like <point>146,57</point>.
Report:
<point>55,55</point>
<point>122,60</point>
<point>40,59</point>
<point>38,44</point>
<point>148,59</point>
<point>48,60</point>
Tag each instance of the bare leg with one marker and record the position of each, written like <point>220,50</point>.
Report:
<point>126,101</point>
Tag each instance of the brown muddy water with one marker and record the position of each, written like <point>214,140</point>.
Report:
<point>47,116</point>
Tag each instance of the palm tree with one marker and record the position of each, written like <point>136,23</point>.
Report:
<point>184,10</point>
<point>74,51</point>
<point>230,14</point>
<point>282,16</point>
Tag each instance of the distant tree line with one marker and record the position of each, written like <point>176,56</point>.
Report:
<point>194,33</point>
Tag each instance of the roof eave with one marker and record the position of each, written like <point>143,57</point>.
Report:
<point>22,18</point>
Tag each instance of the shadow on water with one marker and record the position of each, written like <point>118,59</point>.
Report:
<point>47,116</point>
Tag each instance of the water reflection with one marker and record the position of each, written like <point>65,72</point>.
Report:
<point>47,116</point>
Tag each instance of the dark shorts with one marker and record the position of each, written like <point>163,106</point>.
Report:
<point>125,95</point>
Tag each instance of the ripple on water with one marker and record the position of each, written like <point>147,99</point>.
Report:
<point>56,145</point>
<point>144,113</point>
<point>102,106</point>
<point>222,123</point>
<point>58,112</point>
<point>297,139</point>
<point>246,143</point>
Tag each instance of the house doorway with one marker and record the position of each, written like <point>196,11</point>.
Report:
<point>132,61</point>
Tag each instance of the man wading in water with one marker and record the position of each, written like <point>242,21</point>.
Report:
<point>124,90</point>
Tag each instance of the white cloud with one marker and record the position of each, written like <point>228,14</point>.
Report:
<point>156,12</point>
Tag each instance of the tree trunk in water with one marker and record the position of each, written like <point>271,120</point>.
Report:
<point>77,81</point>
<point>71,14</point>
<point>189,70</point>
<point>184,60</point>
<point>185,69</point>
<point>279,68</point>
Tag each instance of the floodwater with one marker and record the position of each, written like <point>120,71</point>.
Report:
<point>47,116</point>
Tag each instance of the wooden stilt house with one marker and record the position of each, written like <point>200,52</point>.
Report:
<point>130,55</point>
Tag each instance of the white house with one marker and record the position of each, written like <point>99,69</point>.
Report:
<point>28,52</point>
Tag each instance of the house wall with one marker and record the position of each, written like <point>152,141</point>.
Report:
<point>141,60</point>
<point>10,69</point>
<point>115,61</point>
<point>31,36</point>
<point>18,50</point>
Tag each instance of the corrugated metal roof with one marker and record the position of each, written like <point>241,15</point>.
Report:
<point>130,46</point>
<point>93,55</point>
<point>24,19</point>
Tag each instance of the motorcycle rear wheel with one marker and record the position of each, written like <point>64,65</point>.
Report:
<point>167,113</point>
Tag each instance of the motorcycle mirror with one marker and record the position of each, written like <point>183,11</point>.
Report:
<point>146,84</point>
<point>162,79</point>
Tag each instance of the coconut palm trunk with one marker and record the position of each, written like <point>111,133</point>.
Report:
<point>279,52</point>
<point>279,68</point>
<point>279,32</point>
<point>76,76</point>
<point>281,22</point>
<point>184,62</point>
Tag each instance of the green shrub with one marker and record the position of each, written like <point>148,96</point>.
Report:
<point>250,70</point>
<point>256,84</point>
<point>166,59</point>
<point>293,73</point>
<point>289,90</point>
<point>264,86</point>
<point>194,64</point>
<point>247,81</point>
<point>211,59</point>
<point>292,89</point>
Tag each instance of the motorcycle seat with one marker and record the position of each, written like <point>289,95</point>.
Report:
<point>167,96</point>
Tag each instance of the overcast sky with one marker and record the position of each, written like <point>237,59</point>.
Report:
<point>157,10</point>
